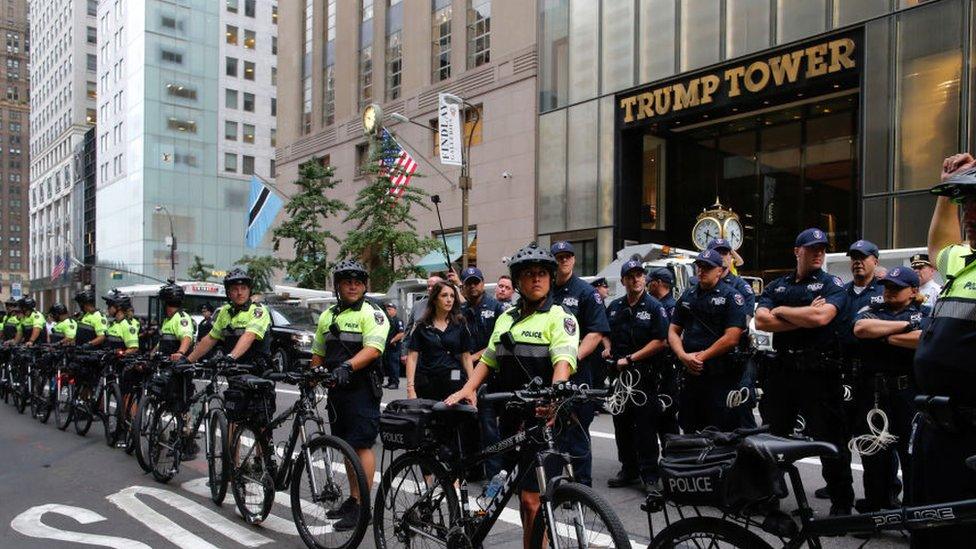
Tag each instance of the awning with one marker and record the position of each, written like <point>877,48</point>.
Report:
<point>434,261</point>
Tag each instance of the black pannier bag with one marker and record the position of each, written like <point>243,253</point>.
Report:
<point>244,403</point>
<point>716,469</point>
<point>175,389</point>
<point>406,423</point>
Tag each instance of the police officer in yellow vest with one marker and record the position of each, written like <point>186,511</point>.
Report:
<point>533,338</point>
<point>176,333</point>
<point>11,323</point>
<point>944,358</point>
<point>122,334</point>
<point>349,341</point>
<point>33,325</point>
<point>65,327</point>
<point>93,324</point>
<point>241,326</point>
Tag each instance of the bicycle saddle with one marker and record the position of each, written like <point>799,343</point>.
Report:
<point>787,449</point>
<point>456,411</point>
<point>183,368</point>
<point>254,382</point>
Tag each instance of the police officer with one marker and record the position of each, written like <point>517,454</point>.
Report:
<point>394,339</point>
<point>349,340</point>
<point>65,327</point>
<point>505,292</point>
<point>707,324</point>
<point>241,327</point>
<point>638,332</point>
<point>121,334</point>
<point>33,324</point>
<point>93,325</point>
<point>581,300</point>
<point>724,248</point>
<point>176,333</point>
<point>206,311</point>
<point>804,375</point>
<point>11,322</point>
<point>944,358</point>
<point>925,270</point>
<point>888,333</point>
<point>534,322</point>
<point>660,283</point>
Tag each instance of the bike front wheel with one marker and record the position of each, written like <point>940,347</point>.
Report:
<point>251,474</point>
<point>64,402</point>
<point>21,393</point>
<point>42,400</point>
<point>217,455</point>
<point>695,532</point>
<point>327,474</point>
<point>141,425</point>
<point>416,504</point>
<point>165,431</point>
<point>111,411</point>
<point>581,519</point>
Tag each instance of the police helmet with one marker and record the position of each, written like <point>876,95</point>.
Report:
<point>27,303</point>
<point>959,185</point>
<point>117,299</point>
<point>349,269</point>
<point>172,294</point>
<point>58,309</point>
<point>85,296</point>
<point>529,256</point>
<point>238,276</point>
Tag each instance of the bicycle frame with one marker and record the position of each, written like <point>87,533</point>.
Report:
<point>303,410</point>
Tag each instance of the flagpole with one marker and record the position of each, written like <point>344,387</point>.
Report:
<point>271,186</point>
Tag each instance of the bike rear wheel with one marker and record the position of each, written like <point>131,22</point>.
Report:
<point>111,413</point>
<point>582,519</point>
<point>21,394</point>
<point>165,433</point>
<point>141,425</point>
<point>326,473</point>
<point>217,455</point>
<point>415,498</point>
<point>251,474</point>
<point>64,405</point>
<point>696,532</point>
<point>84,411</point>
<point>42,398</point>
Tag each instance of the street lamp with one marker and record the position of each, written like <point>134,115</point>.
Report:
<point>171,241</point>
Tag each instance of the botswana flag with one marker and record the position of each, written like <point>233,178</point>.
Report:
<point>263,206</point>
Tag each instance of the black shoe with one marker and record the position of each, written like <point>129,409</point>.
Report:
<point>651,486</point>
<point>822,493</point>
<point>837,510</point>
<point>350,519</point>
<point>342,510</point>
<point>388,385</point>
<point>623,478</point>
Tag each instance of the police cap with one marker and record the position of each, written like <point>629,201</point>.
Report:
<point>901,277</point>
<point>811,237</point>
<point>863,247</point>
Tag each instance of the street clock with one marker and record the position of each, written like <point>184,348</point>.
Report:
<point>372,118</point>
<point>717,222</point>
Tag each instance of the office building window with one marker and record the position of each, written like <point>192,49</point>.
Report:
<point>328,99</point>
<point>274,106</point>
<point>232,6</point>
<point>230,162</point>
<point>179,125</point>
<point>250,39</point>
<point>248,70</point>
<point>93,7</point>
<point>91,89</point>
<point>171,57</point>
<point>91,62</point>
<point>274,45</point>
<point>274,76</point>
<point>248,133</point>
<point>479,33</point>
<point>230,130</point>
<point>230,98</point>
<point>249,7</point>
<point>394,65</point>
<point>231,69</point>
<point>181,91</point>
<point>90,115</point>
<point>231,34</point>
<point>274,140</point>
<point>274,14</point>
<point>247,166</point>
<point>441,39</point>
<point>91,35</point>
<point>365,76</point>
<point>248,102</point>
<point>272,169</point>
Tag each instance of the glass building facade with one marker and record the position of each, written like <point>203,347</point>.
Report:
<point>793,113</point>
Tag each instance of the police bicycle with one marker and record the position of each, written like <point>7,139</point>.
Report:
<point>96,393</point>
<point>41,382</point>
<point>422,500</point>
<point>688,527</point>
<point>321,471</point>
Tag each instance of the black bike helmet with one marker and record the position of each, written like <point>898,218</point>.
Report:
<point>172,294</point>
<point>349,269</point>
<point>117,299</point>
<point>958,185</point>
<point>58,309</point>
<point>529,256</point>
<point>85,296</point>
<point>237,276</point>
<point>27,303</point>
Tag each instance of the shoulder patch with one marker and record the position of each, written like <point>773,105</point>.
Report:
<point>184,322</point>
<point>598,297</point>
<point>258,311</point>
<point>132,330</point>
<point>739,300</point>
<point>569,324</point>
<point>379,317</point>
<point>838,281</point>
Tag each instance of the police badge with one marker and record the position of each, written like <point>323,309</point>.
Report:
<point>739,300</point>
<point>569,323</point>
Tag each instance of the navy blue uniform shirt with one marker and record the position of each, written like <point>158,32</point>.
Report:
<point>439,351</point>
<point>872,294</point>
<point>396,327</point>
<point>790,292</point>
<point>481,320</point>
<point>668,302</point>
<point>581,300</point>
<point>704,315</point>
<point>633,327</point>
<point>880,357</point>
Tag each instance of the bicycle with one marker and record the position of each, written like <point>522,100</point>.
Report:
<point>429,479</point>
<point>312,465</point>
<point>41,381</point>
<point>21,371</point>
<point>98,398</point>
<point>737,527</point>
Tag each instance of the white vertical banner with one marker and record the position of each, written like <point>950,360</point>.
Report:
<point>449,129</point>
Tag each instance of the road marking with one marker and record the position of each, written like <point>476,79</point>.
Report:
<point>127,501</point>
<point>29,524</point>
<point>199,487</point>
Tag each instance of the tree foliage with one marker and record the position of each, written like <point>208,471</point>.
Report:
<point>384,234</point>
<point>261,270</point>
<point>200,271</point>
<point>307,211</point>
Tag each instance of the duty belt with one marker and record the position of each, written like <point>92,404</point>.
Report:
<point>892,382</point>
<point>808,360</point>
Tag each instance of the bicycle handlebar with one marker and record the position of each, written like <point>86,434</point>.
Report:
<point>534,392</point>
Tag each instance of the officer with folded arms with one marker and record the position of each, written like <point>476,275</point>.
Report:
<point>638,331</point>
<point>708,321</point>
<point>804,374</point>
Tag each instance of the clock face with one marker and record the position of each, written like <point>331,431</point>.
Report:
<point>369,119</point>
<point>706,230</point>
<point>733,232</point>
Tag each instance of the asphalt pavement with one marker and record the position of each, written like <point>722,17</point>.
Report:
<point>58,489</point>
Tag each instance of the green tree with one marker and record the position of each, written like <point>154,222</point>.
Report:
<point>384,233</point>
<point>307,210</point>
<point>261,269</point>
<point>200,271</point>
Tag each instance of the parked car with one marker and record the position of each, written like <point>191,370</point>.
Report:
<point>292,331</point>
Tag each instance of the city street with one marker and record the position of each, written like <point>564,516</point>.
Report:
<point>61,490</point>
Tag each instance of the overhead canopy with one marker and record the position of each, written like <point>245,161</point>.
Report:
<point>434,261</point>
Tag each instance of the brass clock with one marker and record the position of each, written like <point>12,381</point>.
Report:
<point>372,118</point>
<point>717,222</point>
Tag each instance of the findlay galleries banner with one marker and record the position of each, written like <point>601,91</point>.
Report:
<point>816,62</point>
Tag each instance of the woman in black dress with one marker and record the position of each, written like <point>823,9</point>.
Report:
<point>439,353</point>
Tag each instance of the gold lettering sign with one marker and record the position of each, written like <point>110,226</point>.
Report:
<point>753,77</point>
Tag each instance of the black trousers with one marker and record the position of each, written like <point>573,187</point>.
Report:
<point>437,386</point>
<point>817,395</point>
<point>637,429</point>
<point>881,483</point>
<point>939,474</point>
<point>703,398</point>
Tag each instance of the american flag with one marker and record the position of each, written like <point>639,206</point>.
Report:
<point>403,167</point>
<point>60,264</point>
